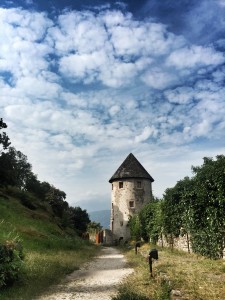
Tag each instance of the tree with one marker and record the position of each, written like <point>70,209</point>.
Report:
<point>18,169</point>
<point>94,227</point>
<point>33,185</point>
<point>208,209</point>
<point>4,139</point>
<point>135,227</point>
<point>56,199</point>
<point>151,220</point>
<point>80,219</point>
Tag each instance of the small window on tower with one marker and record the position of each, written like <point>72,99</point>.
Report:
<point>131,204</point>
<point>112,186</point>
<point>139,185</point>
<point>120,185</point>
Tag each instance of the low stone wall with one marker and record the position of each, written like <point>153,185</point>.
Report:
<point>181,243</point>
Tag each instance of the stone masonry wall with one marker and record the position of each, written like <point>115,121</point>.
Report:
<point>181,243</point>
<point>126,202</point>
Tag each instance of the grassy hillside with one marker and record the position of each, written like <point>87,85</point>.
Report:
<point>50,251</point>
<point>102,217</point>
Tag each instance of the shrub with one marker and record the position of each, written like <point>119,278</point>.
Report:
<point>11,261</point>
<point>25,198</point>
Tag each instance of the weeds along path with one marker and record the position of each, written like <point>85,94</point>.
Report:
<point>97,280</point>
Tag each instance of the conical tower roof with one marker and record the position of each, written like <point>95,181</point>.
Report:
<point>131,168</point>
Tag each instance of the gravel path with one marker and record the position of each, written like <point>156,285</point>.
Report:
<point>97,280</point>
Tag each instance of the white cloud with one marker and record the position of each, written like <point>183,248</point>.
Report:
<point>85,89</point>
<point>82,66</point>
<point>114,110</point>
<point>38,88</point>
<point>159,79</point>
<point>195,56</point>
<point>180,95</point>
<point>146,134</point>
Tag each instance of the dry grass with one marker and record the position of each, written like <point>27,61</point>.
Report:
<point>197,278</point>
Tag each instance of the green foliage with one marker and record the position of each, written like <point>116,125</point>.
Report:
<point>4,139</point>
<point>51,252</point>
<point>25,198</point>
<point>174,208</point>
<point>79,219</point>
<point>208,209</point>
<point>151,221</point>
<point>197,206</point>
<point>11,262</point>
<point>17,169</point>
<point>56,198</point>
<point>94,227</point>
<point>165,290</point>
<point>135,227</point>
<point>126,294</point>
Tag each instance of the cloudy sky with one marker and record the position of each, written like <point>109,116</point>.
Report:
<point>84,83</point>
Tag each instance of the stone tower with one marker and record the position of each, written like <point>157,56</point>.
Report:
<point>131,190</point>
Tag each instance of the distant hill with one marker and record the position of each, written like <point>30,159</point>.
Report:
<point>102,217</point>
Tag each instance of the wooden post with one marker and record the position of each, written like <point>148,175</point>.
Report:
<point>188,243</point>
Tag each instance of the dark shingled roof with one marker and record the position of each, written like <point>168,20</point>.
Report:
<point>131,168</point>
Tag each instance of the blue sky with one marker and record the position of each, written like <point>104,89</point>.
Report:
<point>84,83</point>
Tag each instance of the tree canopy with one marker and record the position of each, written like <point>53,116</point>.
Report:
<point>4,139</point>
<point>194,205</point>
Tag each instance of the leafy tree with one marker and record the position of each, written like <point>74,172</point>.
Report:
<point>15,168</point>
<point>151,220</point>
<point>4,162</point>
<point>208,209</point>
<point>56,199</point>
<point>197,206</point>
<point>172,212</point>
<point>94,227</point>
<point>21,168</point>
<point>33,185</point>
<point>6,170</point>
<point>4,139</point>
<point>135,227</point>
<point>80,219</point>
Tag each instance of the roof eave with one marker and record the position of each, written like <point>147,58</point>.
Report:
<point>124,178</point>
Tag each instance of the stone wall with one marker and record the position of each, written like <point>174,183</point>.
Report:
<point>181,243</point>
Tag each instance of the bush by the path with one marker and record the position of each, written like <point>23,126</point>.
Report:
<point>11,262</point>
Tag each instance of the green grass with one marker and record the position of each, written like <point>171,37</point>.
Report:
<point>50,252</point>
<point>196,277</point>
<point>41,270</point>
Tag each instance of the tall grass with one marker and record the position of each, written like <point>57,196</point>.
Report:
<point>44,268</point>
<point>196,277</point>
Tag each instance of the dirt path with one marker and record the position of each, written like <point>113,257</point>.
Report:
<point>97,280</point>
